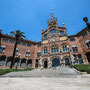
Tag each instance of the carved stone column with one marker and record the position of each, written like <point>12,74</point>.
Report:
<point>40,62</point>
<point>72,58</point>
<point>49,62</point>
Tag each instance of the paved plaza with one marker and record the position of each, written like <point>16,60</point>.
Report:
<point>62,78</point>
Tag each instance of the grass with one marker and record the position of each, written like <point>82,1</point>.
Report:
<point>82,67</point>
<point>4,71</point>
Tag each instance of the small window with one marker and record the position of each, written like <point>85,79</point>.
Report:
<point>24,44</point>
<point>45,36</point>
<point>72,39</point>
<point>54,49</point>
<point>17,51</point>
<point>74,48</point>
<point>45,50</point>
<point>88,31</point>
<point>11,41</point>
<point>53,31</point>
<point>38,53</point>
<point>18,43</point>
<point>5,40</point>
<point>3,48</point>
<point>64,47</point>
<point>27,53</point>
<point>29,45</point>
<point>84,34</point>
<point>61,33</point>
<point>39,46</point>
<point>87,43</point>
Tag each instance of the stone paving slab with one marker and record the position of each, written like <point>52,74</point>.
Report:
<point>45,83</point>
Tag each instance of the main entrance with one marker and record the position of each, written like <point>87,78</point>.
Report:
<point>88,56</point>
<point>55,62</point>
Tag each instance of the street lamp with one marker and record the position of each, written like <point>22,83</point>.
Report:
<point>85,19</point>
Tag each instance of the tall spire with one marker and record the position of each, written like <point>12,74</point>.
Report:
<point>52,16</point>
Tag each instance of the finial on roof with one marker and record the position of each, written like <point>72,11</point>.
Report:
<point>63,24</point>
<point>42,29</point>
<point>51,10</point>
<point>52,16</point>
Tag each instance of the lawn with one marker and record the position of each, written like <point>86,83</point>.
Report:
<point>83,67</point>
<point>4,71</point>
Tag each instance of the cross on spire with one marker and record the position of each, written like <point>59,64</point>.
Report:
<point>52,16</point>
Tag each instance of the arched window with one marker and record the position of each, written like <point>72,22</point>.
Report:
<point>74,48</point>
<point>17,51</point>
<point>61,33</point>
<point>45,36</point>
<point>27,53</point>
<point>54,49</point>
<point>3,48</point>
<point>45,50</point>
<point>64,47</point>
<point>87,43</point>
<point>52,31</point>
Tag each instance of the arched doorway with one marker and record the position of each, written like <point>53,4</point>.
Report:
<point>45,64</point>
<point>29,63</point>
<point>88,56</point>
<point>2,60</point>
<point>9,59</point>
<point>16,61</point>
<point>55,62</point>
<point>67,62</point>
<point>37,63</point>
<point>23,62</point>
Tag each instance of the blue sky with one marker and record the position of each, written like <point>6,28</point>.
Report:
<point>30,16</point>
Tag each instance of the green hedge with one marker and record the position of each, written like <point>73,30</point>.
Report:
<point>82,67</point>
<point>4,71</point>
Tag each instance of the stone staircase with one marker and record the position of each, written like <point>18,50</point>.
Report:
<point>58,72</point>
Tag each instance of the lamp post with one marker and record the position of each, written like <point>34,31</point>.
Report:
<point>85,19</point>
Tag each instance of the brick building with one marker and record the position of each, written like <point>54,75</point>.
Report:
<point>55,49</point>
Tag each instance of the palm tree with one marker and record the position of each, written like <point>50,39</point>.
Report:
<point>18,35</point>
<point>85,19</point>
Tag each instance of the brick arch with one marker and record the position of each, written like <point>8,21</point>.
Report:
<point>23,62</point>
<point>16,61</point>
<point>55,61</point>
<point>54,45</point>
<point>55,57</point>
<point>66,57</point>
<point>2,59</point>
<point>9,59</point>
<point>67,60</point>
<point>45,62</point>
